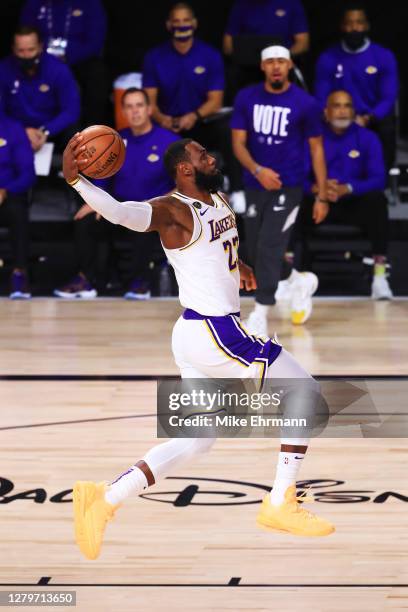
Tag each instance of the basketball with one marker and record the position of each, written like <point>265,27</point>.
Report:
<point>104,154</point>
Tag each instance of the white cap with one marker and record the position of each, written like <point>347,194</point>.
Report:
<point>275,52</point>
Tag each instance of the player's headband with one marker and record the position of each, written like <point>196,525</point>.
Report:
<point>275,52</point>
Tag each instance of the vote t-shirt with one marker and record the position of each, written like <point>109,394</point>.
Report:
<point>278,127</point>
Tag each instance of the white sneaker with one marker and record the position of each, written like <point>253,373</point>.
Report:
<point>380,288</point>
<point>256,324</point>
<point>304,285</point>
<point>284,291</point>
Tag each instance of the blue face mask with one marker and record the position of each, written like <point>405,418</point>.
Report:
<point>182,33</point>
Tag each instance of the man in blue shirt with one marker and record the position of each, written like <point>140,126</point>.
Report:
<point>17,176</point>
<point>184,79</point>
<point>356,182</point>
<point>271,124</point>
<point>39,91</point>
<point>368,72</point>
<point>142,176</point>
<point>284,19</point>
<point>75,32</point>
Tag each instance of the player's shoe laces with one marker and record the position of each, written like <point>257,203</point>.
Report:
<point>291,517</point>
<point>256,324</point>
<point>380,288</point>
<point>91,514</point>
<point>303,285</point>
<point>78,287</point>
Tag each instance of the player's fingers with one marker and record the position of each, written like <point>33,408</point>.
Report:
<point>74,140</point>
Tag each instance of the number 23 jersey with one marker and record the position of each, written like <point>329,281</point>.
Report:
<point>206,269</point>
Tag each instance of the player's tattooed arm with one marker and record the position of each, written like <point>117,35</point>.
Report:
<point>247,277</point>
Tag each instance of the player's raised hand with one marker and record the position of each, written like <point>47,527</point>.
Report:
<point>70,156</point>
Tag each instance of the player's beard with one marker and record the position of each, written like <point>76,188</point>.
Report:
<point>277,85</point>
<point>209,182</point>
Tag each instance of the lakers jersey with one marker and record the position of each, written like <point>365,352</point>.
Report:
<point>206,269</point>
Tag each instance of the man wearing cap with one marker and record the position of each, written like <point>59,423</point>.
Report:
<point>271,124</point>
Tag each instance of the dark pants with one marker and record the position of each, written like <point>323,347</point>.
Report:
<point>142,246</point>
<point>14,215</point>
<point>91,235</point>
<point>387,132</point>
<point>93,82</point>
<point>269,220</point>
<point>216,135</point>
<point>369,212</point>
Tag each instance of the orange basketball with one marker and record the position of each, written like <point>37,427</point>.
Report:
<point>104,154</point>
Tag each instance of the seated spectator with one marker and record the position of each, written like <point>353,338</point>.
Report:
<point>39,91</point>
<point>17,176</point>
<point>75,33</point>
<point>141,177</point>
<point>368,72</point>
<point>356,182</point>
<point>285,20</point>
<point>184,79</point>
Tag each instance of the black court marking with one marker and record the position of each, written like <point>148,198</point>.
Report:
<point>233,582</point>
<point>148,377</point>
<point>84,377</point>
<point>116,418</point>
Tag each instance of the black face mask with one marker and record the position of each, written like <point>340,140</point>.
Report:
<point>354,40</point>
<point>27,64</point>
<point>209,182</point>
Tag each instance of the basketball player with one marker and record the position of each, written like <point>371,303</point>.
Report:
<point>198,232</point>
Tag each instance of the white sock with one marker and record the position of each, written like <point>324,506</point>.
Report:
<point>161,460</point>
<point>286,472</point>
<point>261,309</point>
<point>131,481</point>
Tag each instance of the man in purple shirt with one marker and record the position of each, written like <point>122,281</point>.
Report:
<point>17,176</point>
<point>184,79</point>
<point>367,71</point>
<point>142,176</point>
<point>271,124</point>
<point>39,91</point>
<point>284,19</point>
<point>356,183</point>
<point>75,32</point>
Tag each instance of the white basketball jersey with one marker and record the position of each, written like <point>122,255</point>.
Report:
<point>206,268</point>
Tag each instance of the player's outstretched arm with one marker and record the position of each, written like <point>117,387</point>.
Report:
<point>137,216</point>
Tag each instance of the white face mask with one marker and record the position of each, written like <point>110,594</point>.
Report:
<point>341,124</point>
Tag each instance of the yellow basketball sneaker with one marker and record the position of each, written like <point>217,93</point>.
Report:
<point>291,517</point>
<point>91,513</point>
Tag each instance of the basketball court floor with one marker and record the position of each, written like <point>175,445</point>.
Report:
<point>78,390</point>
